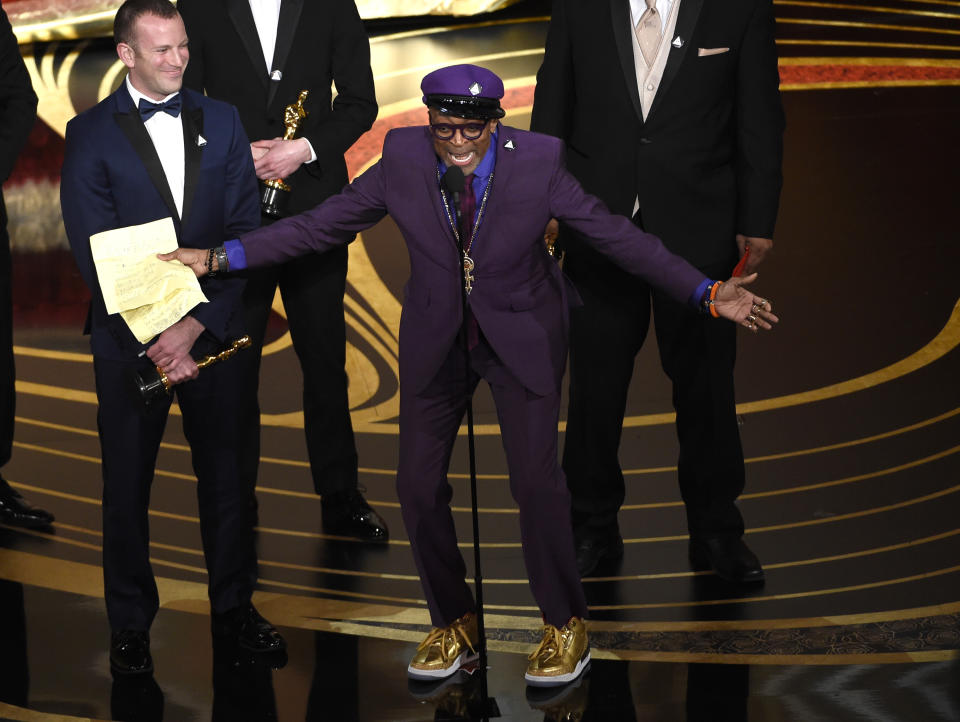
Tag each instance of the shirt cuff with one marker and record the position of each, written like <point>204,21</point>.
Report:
<point>313,153</point>
<point>696,298</point>
<point>236,256</point>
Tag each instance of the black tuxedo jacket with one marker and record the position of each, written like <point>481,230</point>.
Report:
<point>18,102</point>
<point>706,162</point>
<point>318,41</point>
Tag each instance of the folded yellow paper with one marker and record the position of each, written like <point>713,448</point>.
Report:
<point>149,294</point>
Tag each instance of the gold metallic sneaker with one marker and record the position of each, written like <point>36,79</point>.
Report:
<point>445,650</point>
<point>562,656</point>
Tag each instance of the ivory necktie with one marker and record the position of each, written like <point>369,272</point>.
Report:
<point>649,32</point>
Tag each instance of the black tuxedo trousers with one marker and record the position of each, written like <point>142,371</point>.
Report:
<point>697,352</point>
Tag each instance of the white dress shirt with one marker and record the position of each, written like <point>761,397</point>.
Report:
<point>266,16</point>
<point>166,132</point>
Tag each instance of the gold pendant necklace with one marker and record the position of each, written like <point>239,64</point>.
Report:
<point>468,263</point>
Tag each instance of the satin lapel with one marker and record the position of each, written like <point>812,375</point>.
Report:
<point>620,15</point>
<point>286,27</point>
<point>132,127</point>
<point>242,18</point>
<point>192,155</point>
<point>688,12</point>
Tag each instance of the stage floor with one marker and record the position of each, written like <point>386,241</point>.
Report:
<point>850,410</point>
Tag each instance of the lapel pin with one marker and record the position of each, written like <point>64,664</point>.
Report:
<point>276,75</point>
<point>201,141</point>
<point>509,145</point>
<point>677,42</point>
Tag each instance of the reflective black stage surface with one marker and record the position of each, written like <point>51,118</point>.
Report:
<point>56,663</point>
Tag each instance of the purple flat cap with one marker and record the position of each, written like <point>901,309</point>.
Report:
<point>464,91</point>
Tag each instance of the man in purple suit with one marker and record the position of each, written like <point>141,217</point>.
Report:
<point>516,332</point>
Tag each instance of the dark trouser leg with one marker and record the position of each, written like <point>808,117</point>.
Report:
<point>428,427</point>
<point>698,354</point>
<point>257,300</point>
<point>14,671</point>
<point>312,290</point>
<point>210,406</point>
<point>129,440</point>
<point>7,373</point>
<point>528,425</point>
<point>605,335</point>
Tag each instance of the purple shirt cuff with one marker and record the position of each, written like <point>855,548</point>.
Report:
<point>236,256</point>
<point>696,298</point>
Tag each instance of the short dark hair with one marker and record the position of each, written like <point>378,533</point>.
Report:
<point>130,12</point>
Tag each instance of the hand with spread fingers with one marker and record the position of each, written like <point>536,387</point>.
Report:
<point>195,258</point>
<point>736,303</point>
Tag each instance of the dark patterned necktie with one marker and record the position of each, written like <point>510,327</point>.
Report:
<point>468,208</point>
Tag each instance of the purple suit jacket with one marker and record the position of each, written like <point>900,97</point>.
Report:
<point>519,297</point>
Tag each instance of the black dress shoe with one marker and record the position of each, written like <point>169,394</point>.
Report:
<point>592,550</point>
<point>729,558</point>
<point>136,698</point>
<point>347,513</point>
<point>245,627</point>
<point>16,511</point>
<point>130,652</point>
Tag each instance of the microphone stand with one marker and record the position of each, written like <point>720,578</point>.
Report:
<point>487,705</point>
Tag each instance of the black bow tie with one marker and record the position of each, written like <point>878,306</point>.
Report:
<point>148,109</point>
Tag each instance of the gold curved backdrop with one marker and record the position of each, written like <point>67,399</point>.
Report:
<point>41,20</point>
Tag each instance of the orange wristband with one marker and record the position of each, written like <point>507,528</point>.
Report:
<point>713,295</point>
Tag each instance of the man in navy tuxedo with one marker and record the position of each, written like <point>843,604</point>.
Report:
<point>147,152</point>
<point>515,330</point>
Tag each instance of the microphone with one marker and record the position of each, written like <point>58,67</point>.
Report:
<point>453,183</point>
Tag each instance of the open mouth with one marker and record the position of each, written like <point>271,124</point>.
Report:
<point>461,159</point>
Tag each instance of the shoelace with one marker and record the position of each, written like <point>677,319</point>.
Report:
<point>439,634</point>
<point>551,638</point>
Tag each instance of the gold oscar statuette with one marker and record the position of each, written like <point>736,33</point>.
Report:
<point>274,193</point>
<point>154,384</point>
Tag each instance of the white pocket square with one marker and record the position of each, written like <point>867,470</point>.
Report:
<point>703,52</point>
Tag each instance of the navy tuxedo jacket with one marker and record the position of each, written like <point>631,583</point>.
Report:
<point>519,296</point>
<point>112,177</point>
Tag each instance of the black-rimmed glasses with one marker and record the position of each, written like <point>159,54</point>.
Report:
<point>446,131</point>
